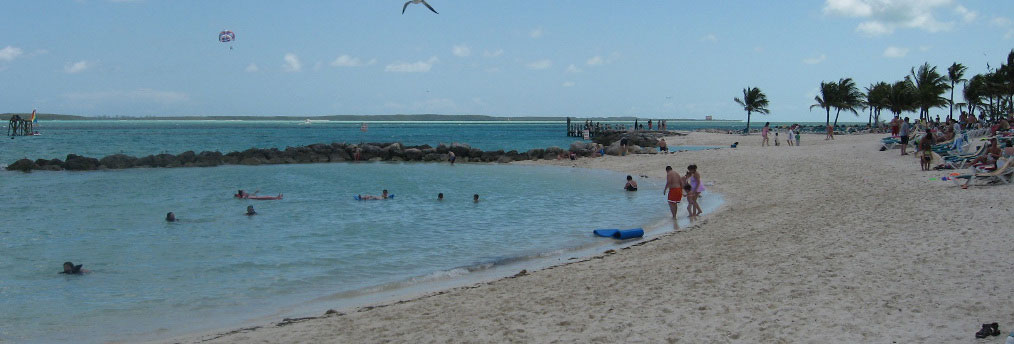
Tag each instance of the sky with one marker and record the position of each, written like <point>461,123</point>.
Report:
<point>660,59</point>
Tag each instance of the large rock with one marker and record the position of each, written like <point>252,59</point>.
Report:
<point>118,161</point>
<point>413,154</point>
<point>75,162</point>
<point>23,165</point>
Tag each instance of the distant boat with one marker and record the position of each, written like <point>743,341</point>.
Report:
<point>307,121</point>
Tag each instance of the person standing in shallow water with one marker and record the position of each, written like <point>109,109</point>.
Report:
<point>674,187</point>
<point>631,184</point>
<point>170,217</point>
<point>250,211</point>
<point>475,198</point>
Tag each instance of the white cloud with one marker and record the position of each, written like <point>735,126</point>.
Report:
<point>10,53</point>
<point>252,68</point>
<point>895,52</point>
<point>76,67</point>
<point>596,61</point>
<point>1009,35</point>
<point>573,69</point>
<point>925,48</point>
<point>496,53</point>
<point>461,50</point>
<point>138,95</point>
<point>535,33</point>
<point>292,63</point>
<point>540,64</point>
<point>1000,21</point>
<point>815,59</point>
<point>568,84</point>
<point>349,61</point>
<point>966,14</point>
<point>884,16</point>
<point>412,67</point>
<point>710,38</point>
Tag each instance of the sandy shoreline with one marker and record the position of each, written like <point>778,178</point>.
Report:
<point>827,242</point>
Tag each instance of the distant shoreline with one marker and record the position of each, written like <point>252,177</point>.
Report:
<point>356,118</point>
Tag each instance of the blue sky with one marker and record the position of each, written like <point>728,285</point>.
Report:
<point>668,59</point>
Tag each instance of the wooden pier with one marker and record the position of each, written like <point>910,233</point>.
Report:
<point>20,127</point>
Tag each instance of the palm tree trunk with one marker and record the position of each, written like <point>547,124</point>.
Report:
<point>952,101</point>
<point>836,118</point>
<point>869,122</point>
<point>747,121</point>
<point>828,120</point>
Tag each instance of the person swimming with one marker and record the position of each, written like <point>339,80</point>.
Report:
<point>250,211</point>
<point>440,196</point>
<point>170,217</point>
<point>71,269</point>
<point>241,194</point>
<point>475,198</point>
<point>631,184</point>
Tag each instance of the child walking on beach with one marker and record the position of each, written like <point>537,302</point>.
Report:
<point>764,134</point>
<point>789,138</point>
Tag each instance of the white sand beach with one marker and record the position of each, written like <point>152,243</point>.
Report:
<point>828,242</point>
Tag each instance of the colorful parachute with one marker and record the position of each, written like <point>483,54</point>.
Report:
<point>226,36</point>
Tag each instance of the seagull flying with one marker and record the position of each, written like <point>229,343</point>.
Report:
<point>418,2</point>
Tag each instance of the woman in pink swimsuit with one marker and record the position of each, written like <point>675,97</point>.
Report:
<point>693,179</point>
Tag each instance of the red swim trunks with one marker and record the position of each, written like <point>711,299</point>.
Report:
<point>675,195</point>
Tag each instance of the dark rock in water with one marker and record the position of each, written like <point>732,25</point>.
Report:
<point>187,157</point>
<point>536,154</point>
<point>208,159</point>
<point>79,163</point>
<point>252,161</point>
<point>413,154</point>
<point>23,165</point>
<point>443,149</point>
<point>118,161</point>
<point>435,157</point>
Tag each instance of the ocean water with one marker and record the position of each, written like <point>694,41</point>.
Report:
<point>315,249</point>
<point>217,268</point>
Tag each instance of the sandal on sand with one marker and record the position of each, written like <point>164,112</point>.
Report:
<point>986,331</point>
<point>995,328</point>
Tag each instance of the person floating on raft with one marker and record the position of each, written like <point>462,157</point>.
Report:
<point>383,195</point>
<point>244,195</point>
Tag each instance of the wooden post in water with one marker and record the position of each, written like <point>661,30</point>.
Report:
<point>19,127</point>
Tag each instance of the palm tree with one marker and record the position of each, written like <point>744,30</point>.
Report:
<point>825,100</point>
<point>902,97</point>
<point>955,73</point>
<point>929,85</point>
<point>876,99</point>
<point>753,101</point>
<point>847,97</point>
<point>974,91</point>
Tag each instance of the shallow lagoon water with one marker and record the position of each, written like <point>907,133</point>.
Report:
<point>217,268</point>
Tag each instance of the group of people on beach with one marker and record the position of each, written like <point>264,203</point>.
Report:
<point>952,135</point>
<point>676,186</point>
<point>792,136</point>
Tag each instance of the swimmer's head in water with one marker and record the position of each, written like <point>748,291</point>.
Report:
<point>250,210</point>
<point>440,195</point>
<point>170,217</point>
<point>475,197</point>
<point>70,268</point>
<point>385,191</point>
<point>629,177</point>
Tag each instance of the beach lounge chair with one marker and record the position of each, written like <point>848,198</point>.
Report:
<point>1002,175</point>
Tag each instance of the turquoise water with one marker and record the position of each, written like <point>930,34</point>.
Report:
<point>217,268</point>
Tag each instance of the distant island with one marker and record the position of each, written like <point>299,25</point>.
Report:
<point>351,118</point>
